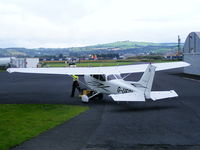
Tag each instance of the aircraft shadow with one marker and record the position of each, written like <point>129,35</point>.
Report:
<point>142,107</point>
<point>128,107</point>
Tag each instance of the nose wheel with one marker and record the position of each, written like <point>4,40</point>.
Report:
<point>85,99</point>
<point>91,96</point>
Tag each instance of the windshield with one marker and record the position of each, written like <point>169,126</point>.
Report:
<point>118,76</point>
<point>110,77</point>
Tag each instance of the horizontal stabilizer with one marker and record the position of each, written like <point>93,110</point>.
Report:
<point>134,97</point>
<point>156,95</point>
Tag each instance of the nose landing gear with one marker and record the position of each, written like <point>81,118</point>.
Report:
<point>90,95</point>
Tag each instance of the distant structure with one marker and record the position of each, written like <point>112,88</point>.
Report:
<point>13,62</point>
<point>72,62</point>
<point>192,53</point>
<point>179,45</point>
<point>94,57</point>
<point>178,55</point>
<point>6,61</point>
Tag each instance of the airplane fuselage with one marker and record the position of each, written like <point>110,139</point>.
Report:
<point>112,86</point>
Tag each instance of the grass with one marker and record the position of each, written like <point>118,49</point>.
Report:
<point>56,65</point>
<point>20,122</point>
<point>2,69</point>
<point>97,63</point>
<point>89,64</point>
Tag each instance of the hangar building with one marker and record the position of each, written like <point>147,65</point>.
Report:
<point>191,53</point>
<point>19,62</point>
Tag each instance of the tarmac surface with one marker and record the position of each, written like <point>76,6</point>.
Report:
<point>170,124</point>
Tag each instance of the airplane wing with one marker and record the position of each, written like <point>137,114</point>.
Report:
<point>100,70</point>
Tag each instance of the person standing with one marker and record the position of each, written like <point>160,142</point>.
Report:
<point>75,85</point>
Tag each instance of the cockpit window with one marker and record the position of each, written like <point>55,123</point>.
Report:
<point>102,77</point>
<point>96,76</point>
<point>99,77</point>
<point>110,77</point>
<point>118,76</point>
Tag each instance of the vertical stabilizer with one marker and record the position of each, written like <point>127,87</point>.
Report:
<point>146,80</point>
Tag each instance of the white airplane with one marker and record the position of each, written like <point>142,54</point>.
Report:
<point>108,80</point>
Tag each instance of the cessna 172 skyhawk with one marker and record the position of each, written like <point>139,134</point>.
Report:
<point>108,80</point>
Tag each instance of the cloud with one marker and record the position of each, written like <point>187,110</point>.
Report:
<point>65,23</point>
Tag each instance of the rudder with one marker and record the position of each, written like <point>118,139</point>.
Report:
<point>146,80</point>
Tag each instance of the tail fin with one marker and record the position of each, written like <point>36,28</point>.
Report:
<point>146,80</point>
<point>145,85</point>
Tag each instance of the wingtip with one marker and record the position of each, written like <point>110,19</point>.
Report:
<point>188,64</point>
<point>185,64</point>
<point>9,70</point>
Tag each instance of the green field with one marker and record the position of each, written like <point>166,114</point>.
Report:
<point>98,63</point>
<point>20,122</point>
<point>2,69</point>
<point>88,64</point>
<point>55,65</point>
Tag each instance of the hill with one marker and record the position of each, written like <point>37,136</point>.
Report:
<point>121,47</point>
<point>129,47</point>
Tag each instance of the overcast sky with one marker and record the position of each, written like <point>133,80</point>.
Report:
<point>66,23</point>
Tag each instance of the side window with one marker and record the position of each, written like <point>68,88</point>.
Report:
<point>99,77</point>
<point>102,77</point>
<point>96,76</point>
<point>111,77</point>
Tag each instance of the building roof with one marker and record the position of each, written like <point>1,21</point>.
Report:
<point>192,45</point>
<point>198,34</point>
